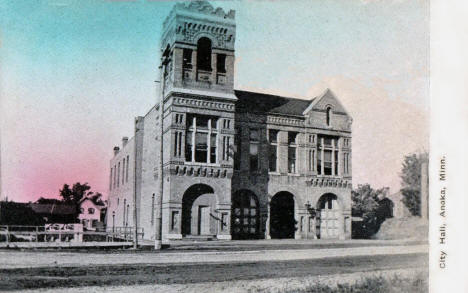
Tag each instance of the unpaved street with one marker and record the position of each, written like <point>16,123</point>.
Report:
<point>25,259</point>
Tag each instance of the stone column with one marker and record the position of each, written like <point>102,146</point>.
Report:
<point>267,225</point>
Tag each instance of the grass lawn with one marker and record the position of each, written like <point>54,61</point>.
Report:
<point>395,284</point>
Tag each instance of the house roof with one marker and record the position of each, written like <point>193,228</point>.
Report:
<point>55,209</point>
<point>96,203</point>
<point>259,102</point>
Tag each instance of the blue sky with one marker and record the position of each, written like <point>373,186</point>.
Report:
<point>75,73</point>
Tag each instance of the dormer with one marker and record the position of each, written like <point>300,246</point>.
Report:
<point>327,112</point>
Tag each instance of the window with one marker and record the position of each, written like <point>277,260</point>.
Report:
<point>237,153</point>
<point>292,160</point>
<point>187,62</point>
<point>82,210</point>
<point>123,172</point>
<point>273,149</point>
<point>226,124</point>
<point>273,136</point>
<point>292,149</point>
<point>329,113</point>
<point>124,212</point>
<point>204,54</point>
<point>253,149</point>
<point>327,156</point>
<point>115,176</point>
<point>126,220</point>
<point>201,139</point>
<point>292,137</point>
<point>311,159</point>
<point>272,165</point>
<point>221,63</point>
<point>226,145</point>
<point>91,211</point>
<point>118,175</point>
<point>177,144</point>
<point>327,162</point>
<point>126,177</point>
<point>201,147</point>
<point>346,163</point>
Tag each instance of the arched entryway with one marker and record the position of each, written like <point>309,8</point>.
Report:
<point>198,207</point>
<point>282,221</point>
<point>245,215</point>
<point>329,216</point>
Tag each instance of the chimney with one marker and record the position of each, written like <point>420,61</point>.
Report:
<point>116,150</point>
<point>124,141</point>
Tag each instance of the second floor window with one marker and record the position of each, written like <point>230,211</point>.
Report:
<point>292,149</point>
<point>201,139</point>
<point>91,211</point>
<point>272,157</point>
<point>237,150</point>
<point>253,151</point>
<point>327,156</point>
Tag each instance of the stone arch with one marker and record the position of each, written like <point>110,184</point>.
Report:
<point>329,217</point>
<point>198,209</point>
<point>282,215</point>
<point>245,215</point>
<point>299,203</point>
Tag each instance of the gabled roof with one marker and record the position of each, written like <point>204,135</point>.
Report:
<point>258,102</point>
<point>327,93</point>
<point>96,203</point>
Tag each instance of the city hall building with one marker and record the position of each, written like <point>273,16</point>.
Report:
<point>235,164</point>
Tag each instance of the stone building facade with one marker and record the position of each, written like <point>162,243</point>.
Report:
<point>236,164</point>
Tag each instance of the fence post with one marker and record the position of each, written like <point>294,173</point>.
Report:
<point>37,234</point>
<point>7,235</point>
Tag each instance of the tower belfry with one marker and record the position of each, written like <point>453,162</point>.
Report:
<point>199,41</point>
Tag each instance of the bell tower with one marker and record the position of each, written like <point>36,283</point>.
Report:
<point>198,46</point>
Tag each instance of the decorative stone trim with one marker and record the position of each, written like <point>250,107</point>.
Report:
<point>180,101</point>
<point>329,182</point>
<point>285,121</point>
<point>200,171</point>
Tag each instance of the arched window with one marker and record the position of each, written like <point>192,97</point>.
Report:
<point>204,54</point>
<point>329,113</point>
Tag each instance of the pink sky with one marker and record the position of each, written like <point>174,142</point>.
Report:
<point>74,77</point>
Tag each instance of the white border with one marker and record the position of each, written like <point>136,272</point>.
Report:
<point>449,131</point>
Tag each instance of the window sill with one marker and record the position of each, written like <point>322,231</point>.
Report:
<point>202,164</point>
<point>294,174</point>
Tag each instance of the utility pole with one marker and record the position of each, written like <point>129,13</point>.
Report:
<point>158,223</point>
<point>135,216</point>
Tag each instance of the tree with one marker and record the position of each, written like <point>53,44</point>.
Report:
<point>76,193</point>
<point>411,182</point>
<point>371,206</point>
<point>96,198</point>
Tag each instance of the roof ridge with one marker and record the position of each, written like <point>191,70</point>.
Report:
<point>273,95</point>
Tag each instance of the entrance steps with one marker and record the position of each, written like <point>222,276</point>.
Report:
<point>199,237</point>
